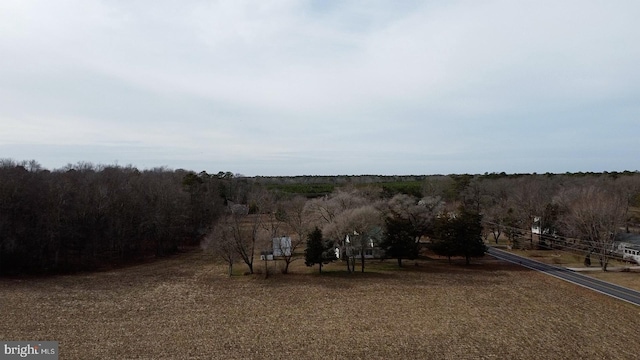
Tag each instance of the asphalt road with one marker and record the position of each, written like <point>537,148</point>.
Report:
<point>618,292</point>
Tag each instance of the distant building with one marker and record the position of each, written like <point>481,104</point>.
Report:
<point>282,246</point>
<point>237,209</point>
<point>627,246</point>
<point>535,226</point>
<point>372,249</point>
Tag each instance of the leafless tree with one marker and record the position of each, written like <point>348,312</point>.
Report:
<point>327,214</point>
<point>294,216</point>
<point>628,186</point>
<point>273,222</point>
<point>499,209</point>
<point>530,195</point>
<point>247,228</point>
<point>322,211</point>
<point>359,224</point>
<point>594,215</point>
<point>419,212</point>
<point>474,194</point>
<point>244,233</point>
<point>222,243</point>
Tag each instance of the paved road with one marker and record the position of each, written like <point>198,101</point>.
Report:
<point>600,286</point>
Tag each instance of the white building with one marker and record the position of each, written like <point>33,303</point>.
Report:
<point>282,246</point>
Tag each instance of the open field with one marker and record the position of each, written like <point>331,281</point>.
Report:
<point>186,307</point>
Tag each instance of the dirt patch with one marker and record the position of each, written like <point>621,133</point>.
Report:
<point>186,307</point>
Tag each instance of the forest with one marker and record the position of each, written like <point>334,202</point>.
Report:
<point>85,217</point>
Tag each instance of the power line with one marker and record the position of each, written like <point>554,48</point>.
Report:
<point>564,243</point>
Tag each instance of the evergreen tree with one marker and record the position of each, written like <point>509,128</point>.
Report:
<point>399,241</point>
<point>459,235</point>
<point>469,230</point>
<point>318,250</point>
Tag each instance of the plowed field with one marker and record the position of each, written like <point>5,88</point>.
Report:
<point>185,307</point>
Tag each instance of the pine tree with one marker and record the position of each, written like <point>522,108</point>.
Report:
<point>459,235</point>
<point>399,241</point>
<point>318,251</point>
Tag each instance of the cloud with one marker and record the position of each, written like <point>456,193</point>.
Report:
<point>287,87</point>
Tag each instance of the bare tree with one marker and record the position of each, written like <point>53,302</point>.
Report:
<point>498,207</point>
<point>221,242</point>
<point>360,225</point>
<point>250,232</point>
<point>245,232</point>
<point>271,223</point>
<point>474,194</point>
<point>327,214</point>
<point>529,198</point>
<point>628,187</point>
<point>322,211</point>
<point>294,216</point>
<point>419,213</point>
<point>594,215</point>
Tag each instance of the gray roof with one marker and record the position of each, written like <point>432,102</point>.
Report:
<point>629,238</point>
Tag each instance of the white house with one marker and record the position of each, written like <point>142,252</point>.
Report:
<point>282,246</point>
<point>371,249</point>
<point>627,246</point>
<point>535,226</point>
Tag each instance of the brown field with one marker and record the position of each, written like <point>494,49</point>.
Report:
<point>185,307</point>
<point>621,273</point>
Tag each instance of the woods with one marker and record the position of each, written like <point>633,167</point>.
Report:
<point>456,215</point>
<point>84,216</point>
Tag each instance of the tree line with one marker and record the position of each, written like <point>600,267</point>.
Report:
<point>350,225</point>
<point>85,216</point>
<point>452,216</point>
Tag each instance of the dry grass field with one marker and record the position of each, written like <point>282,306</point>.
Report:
<point>185,307</point>
<point>629,278</point>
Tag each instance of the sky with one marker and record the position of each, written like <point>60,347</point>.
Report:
<point>310,87</point>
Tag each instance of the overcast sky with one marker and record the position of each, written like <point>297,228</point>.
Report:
<point>323,87</point>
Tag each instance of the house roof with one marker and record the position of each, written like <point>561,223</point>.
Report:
<point>628,238</point>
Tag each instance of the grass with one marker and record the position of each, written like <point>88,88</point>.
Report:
<point>186,307</point>
<point>628,278</point>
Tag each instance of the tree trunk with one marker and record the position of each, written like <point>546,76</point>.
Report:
<point>399,262</point>
<point>604,261</point>
<point>587,260</point>
<point>266,269</point>
<point>320,268</point>
<point>346,257</point>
